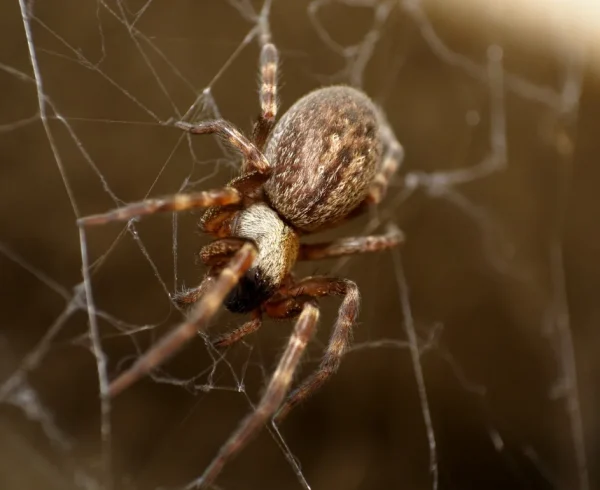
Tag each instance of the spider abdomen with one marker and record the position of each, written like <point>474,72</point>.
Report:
<point>324,153</point>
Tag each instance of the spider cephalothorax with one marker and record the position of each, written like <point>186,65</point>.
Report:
<point>277,244</point>
<point>321,164</point>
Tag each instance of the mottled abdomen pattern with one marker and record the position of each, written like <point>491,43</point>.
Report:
<point>324,152</point>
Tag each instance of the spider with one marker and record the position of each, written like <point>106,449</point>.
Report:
<point>321,164</point>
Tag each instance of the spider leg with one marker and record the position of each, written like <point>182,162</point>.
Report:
<point>197,320</point>
<point>391,161</point>
<point>287,307</point>
<point>218,252</point>
<point>254,160</point>
<point>351,245</point>
<point>270,400</point>
<point>177,202</point>
<point>216,255</point>
<point>340,338</point>
<point>193,295</point>
<point>239,333</point>
<point>268,95</point>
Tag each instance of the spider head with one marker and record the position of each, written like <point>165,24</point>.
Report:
<point>277,245</point>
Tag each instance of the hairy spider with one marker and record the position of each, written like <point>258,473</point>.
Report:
<point>321,164</point>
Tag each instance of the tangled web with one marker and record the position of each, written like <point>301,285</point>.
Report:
<point>473,360</point>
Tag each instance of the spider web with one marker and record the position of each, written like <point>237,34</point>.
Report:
<point>473,362</point>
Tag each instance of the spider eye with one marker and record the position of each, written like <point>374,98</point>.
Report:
<point>249,293</point>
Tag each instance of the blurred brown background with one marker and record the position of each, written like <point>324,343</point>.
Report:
<point>502,271</point>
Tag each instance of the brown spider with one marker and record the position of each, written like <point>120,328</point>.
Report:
<point>319,165</point>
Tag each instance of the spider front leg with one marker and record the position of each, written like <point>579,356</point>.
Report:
<point>177,202</point>
<point>198,319</point>
<point>272,397</point>
<point>340,338</point>
<point>254,160</point>
<point>268,95</point>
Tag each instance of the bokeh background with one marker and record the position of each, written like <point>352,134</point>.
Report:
<point>502,270</point>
